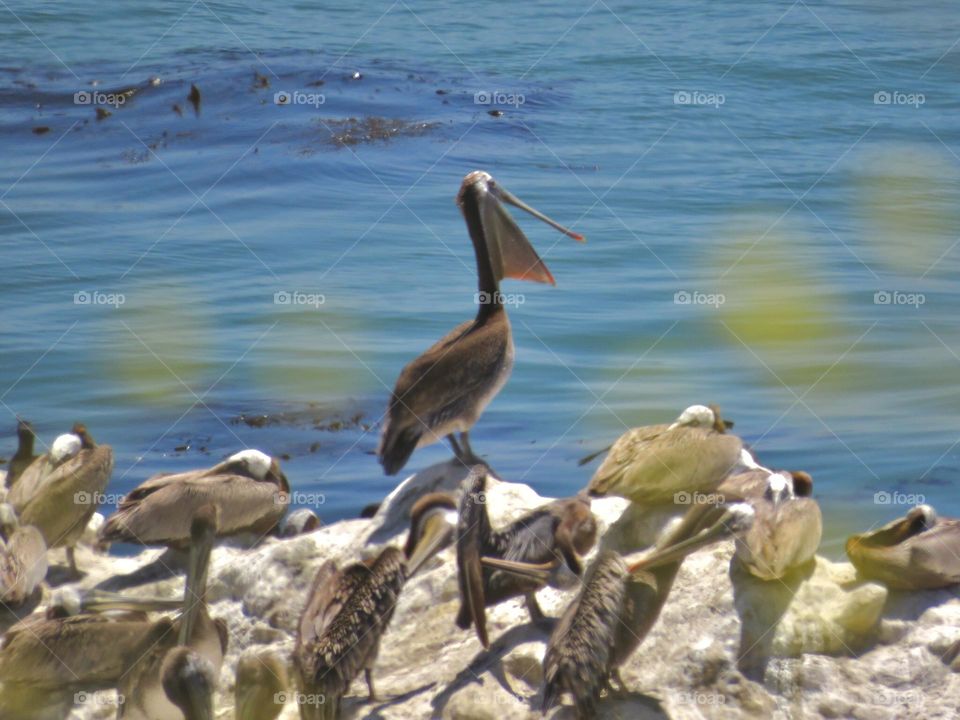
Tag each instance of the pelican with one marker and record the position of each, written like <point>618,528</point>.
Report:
<point>24,456</point>
<point>174,679</point>
<point>85,641</point>
<point>348,610</point>
<point>249,490</point>
<point>619,604</point>
<point>261,685</point>
<point>59,492</point>
<point>915,552</point>
<point>786,531</point>
<point>557,533</point>
<point>23,559</point>
<point>445,390</point>
<point>655,464</point>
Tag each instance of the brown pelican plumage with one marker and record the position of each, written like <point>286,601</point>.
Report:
<point>59,492</point>
<point>23,559</point>
<point>445,390</point>
<point>24,455</point>
<point>786,530</point>
<point>348,610</point>
<point>655,464</point>
<point>85,641</point>
<point>557,533</point>
<point>172,678</point>
<point>619,604</point>
<point>261,684</point>
<point>249,490</point>
<point>917,551</point>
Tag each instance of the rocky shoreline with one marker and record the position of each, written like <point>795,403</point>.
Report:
<point>820,644</point>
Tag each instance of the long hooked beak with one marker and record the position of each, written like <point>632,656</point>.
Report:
<point>508,197</point>
<point>96,601</point>
<point>195,589</point>
<point>437,533</point>
<point>534,571</point>
<point>730,523</point>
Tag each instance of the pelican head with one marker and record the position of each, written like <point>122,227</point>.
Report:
<point>189,680</point>
<point>695,416</point>
<point>481,199</point>
<point>257,464</point>
<point>433,519</point>
<point>65,447</point>
<point>261,676</point>
<point>779,488</point>
<point>80,430</point>
<point>923,517</point>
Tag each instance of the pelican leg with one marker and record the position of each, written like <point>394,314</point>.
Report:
<point>533,607</point>
<point>72,562</point>
<point>469,457</point>
<point>457,452</point>
<point>615,675</point>
<point>368,674</point>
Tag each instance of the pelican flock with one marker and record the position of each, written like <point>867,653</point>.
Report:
<point>165,657</point>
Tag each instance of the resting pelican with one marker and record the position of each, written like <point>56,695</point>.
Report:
<point>557,533</point>
<point>619,604</point>
<point>24,456</point>
<point>915,552</point>
<point>652,465</point>
<point>249,490</point>
<point>23,559</point>
<point>348,611</point>
<point>786,531</point>
<point>61,490</point>
<point>85,641</point>
<point>261,682</point>
<point>170,682</point>
<point>447,388</point>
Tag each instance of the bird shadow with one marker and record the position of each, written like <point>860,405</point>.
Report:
<point>170,564</point>
<point>11,615</point>
<point>621,705</point>
<point>492,660</point>
<point>911,604</point>
<point>381,705</point>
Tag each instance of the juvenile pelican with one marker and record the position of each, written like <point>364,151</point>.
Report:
<point>173,680</point>
<point>23,559</point>
<point>61,490</point>
<point>24,456</point>
<point>619,604</point>
<point>786,531</point>
<point>915,552</point>
<point>348,611</point>
<point>249,490</point>
<point>652,465</point>
<point>445,390</point>
<point>261,678</point>
<point>557,533</point>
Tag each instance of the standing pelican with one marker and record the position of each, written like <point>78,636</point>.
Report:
<point>786,531</point>
<point>446,389</point>
<point>24,456</point>
<point>619,604</point>
<point>23,559</point>
<point>172,681</point>
<point>348,611</point>
<point>915,552</point>
<point>249,490</point>
<point>557,533</point>
<point>654,464</point>
<point>61,490</point>
<point>260,685</point>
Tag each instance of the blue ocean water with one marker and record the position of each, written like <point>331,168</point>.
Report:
<point>769,191</point>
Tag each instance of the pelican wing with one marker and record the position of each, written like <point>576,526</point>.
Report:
<point>330,590</point>
<point>30,481</point>
<point>23,565</point>
<point>163,515</point>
